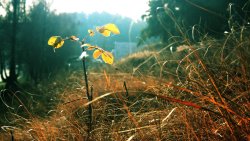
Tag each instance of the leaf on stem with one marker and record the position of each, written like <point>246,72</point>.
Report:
<point>86,45</point>
<point>56,41</point>
<point>108,57</point>
<point>74,38</point>
<point>97,53</point>
<point>90,47</point>
<point>91,32</point>
<point>107,29</point>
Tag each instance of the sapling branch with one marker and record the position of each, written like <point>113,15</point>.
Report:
<point>87,93</point>
<point>85,74</point>
<point>106,30</point>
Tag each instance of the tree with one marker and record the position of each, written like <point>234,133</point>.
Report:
<point>5,44</point>
<point>11,80</point>
<point>168,18</point>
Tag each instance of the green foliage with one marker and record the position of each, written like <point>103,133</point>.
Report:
<point>191,19</point>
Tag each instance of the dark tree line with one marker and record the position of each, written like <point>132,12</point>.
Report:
<point>169,18</point>
<point>24,45</point>
<point>24,50</point>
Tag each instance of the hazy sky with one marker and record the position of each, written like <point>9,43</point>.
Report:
<point>129,8</point>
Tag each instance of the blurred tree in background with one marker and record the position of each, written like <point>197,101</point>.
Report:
<point>9,49</point>
<point>193,18</point>
<point>38,59</point>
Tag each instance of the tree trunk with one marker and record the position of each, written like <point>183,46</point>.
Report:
<point>11,81</point>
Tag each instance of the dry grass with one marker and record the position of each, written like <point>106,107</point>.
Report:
<point>198,93</point>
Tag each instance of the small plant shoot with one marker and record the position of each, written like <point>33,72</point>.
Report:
<point>107,57</point>
<point>106,30</point>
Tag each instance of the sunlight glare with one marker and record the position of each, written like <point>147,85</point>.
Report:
<point>128,8</point>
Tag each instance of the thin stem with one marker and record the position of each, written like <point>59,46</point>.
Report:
<point>12,136</point>
<point>85,76</point>
<point>127,95</point>
<point>88,95</point>
<point>90,109</point>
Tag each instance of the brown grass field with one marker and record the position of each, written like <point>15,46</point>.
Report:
<point>199,92</point>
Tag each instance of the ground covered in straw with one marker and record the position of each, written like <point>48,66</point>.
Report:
<point>177,92</point>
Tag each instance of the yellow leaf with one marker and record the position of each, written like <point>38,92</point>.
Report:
<point>107,57</point>
<point>56,41</point>
<point>102,30</point>
<point>74,38</point>
<point>97,53</point>
<point>59,44</point>
<point>52,40</point>
<point>107,29</point>
<point>91,32</point>
<point>106,33</point>
<point>112,27</point>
